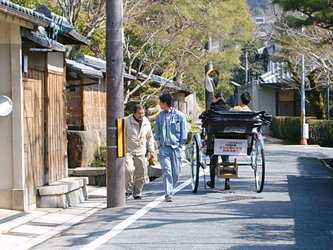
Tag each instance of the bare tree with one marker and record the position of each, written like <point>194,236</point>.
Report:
<point>90,13</point>
<point>314,43</point>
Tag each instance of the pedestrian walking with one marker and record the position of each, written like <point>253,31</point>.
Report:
<point>139,143</point>
<point>170,135</point>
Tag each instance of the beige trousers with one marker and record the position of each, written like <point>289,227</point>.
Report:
<point>134,173</point>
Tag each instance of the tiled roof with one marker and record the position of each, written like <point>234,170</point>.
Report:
<point>277,73</point>
<point>41,38</point>
<point>98,64</point>
<point>83,69</point>
<point>45,18</point>
<point>91,61</point>
<point>12,9</point>
<point>159,80</point>
<point>59,24</point>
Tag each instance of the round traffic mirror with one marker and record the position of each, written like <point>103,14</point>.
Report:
<point>6,105</point>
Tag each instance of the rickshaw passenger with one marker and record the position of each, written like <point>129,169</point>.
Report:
<point>219,104</point>
<point>245,100</point>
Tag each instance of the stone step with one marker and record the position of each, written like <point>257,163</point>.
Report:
<point>63,193</point>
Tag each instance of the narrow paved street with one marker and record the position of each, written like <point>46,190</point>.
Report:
<point>295,211</point>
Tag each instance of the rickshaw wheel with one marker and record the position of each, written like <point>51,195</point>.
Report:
<point>195,166</point>
<point>258,165</point>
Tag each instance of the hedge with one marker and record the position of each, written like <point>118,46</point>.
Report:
<point>321,132</point>
<point>289,128</point>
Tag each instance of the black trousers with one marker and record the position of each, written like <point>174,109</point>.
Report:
<point>212,166</point>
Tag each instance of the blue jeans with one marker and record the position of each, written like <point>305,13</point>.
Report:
<point>171,161</point>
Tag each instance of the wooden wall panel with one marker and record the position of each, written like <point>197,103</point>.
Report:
<point>33,83</point>
<point>55,131</point>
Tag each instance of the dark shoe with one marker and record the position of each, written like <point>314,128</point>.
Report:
<point>210,184</point>
<point>168,198</point>
<point>139,197</point>
<point>227,184</point>
<point>128,195</point>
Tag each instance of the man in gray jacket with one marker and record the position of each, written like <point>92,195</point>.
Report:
<point>139,143</point>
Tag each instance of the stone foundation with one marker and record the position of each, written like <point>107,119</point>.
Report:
<point>82,147</point>
<point>96,175</point>
<point>64,193</point>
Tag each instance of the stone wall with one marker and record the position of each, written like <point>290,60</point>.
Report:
<point>82,146</point>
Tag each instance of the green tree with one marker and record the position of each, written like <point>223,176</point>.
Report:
<point>314,12</point>
<point>177,31</point>
<point>32,4</point>
<point>167,38</point>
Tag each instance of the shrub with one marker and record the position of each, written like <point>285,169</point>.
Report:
<point>99,158</point>
<point>289,128</point>
<point>286,127</point>
<point>321,132</point>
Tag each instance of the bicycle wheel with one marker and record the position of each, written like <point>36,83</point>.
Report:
<point>258,165</point>
<point>195,166</point>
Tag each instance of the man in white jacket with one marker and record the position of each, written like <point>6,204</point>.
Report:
<point>139,143</point>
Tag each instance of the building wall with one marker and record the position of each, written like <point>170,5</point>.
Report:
<point>192,108</point>
<point>94,106</point>
<point>180,103</point>
<point>86,119</point>
<point>12,183</point>
<point>74,105</point>
<point>287,105</point>
<point>55,61</point>
<point>36,59</point>
<point>267,100</point>
<point>86,105</point>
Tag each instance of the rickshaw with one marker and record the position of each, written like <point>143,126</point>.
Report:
<point>233,133</point>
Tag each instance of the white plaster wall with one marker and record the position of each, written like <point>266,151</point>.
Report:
<point>267,102</point>
<point>12,185</point>
<point>55,61</point>
<point>5,122</point>
<point>35,59</point>
<point>192,107</point>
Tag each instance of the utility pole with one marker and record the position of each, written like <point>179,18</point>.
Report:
<point>115,171</point>
<point>304,126</point>
<point>328,101</point>
<point>246,68</point>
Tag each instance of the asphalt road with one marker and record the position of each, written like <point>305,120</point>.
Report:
<point>295,211</point>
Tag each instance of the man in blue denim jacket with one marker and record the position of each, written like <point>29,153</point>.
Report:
<point>170,135</point>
